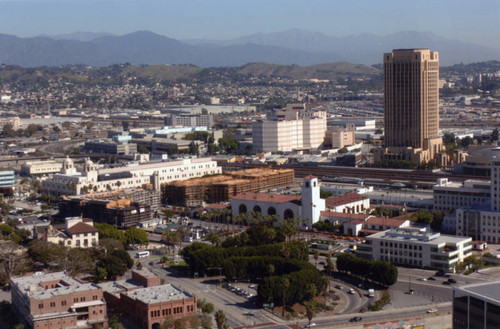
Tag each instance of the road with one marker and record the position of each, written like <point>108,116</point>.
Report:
<point>239,310</point>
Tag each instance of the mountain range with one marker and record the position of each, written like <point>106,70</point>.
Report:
<point>299,47</point>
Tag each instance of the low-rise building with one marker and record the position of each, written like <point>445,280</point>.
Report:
<point>450,195</point>
<point>78,232</point>
<point>477,305</point>
<point>7,181</point>
<point>93,179</point>
<point>57,300</point>
<point>149,307</point>
<point>416,247</point>
<point>31,168</point>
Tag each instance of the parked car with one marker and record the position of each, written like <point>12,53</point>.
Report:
<point>432,310</point>
<point>356,319</point>
<point>351,291</point>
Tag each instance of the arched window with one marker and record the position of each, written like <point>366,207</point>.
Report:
<point>288,214</point>
<point>257,209</point>
<point>242,209</point>
<point>271,211</point>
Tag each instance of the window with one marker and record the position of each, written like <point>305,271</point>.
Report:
<point>63,303</point>
<point>52,304</point>
<point>40,306</point>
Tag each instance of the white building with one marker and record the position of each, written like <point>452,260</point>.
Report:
<point>482,221</point>
<point>92,179</point>
<point>31,168</point>
<point>296,130</point>
<point>78,232</point>
<point>309,205</point>
<point>416,247</point>
<point>450,195</point>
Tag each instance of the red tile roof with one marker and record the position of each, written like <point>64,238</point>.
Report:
<point>217,206</point>
<point>390,222</point>
<point>81,228</point>
<point>339,200</point>
<point>266,197</point>
<point>335,214</point>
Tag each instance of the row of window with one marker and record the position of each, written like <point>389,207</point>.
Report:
<point>170,311</point>
<point>400,245</point>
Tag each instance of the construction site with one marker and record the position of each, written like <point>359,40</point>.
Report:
<point>221,188</point>
<point>120,208</point>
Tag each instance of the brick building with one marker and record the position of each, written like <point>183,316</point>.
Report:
<point>57,300</point>
<point>222,188</point>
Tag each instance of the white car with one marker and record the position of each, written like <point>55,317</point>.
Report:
<point>310,325</point>
<point>351,291</point>
<point>422,279</point>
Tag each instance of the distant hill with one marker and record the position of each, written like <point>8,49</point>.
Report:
<point>330,71</point>
<point>365,48</point>
<point>146,74</point>
<point>299,47</point>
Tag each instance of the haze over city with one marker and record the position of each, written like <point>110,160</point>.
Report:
<point>237,164</point>
<point>470,21</point>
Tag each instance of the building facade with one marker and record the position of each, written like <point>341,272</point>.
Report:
<point>476,306</point>
<point>190,120</point>
<point>150,307</point>
<point>450,195</point>
<point>31,168</point>
<point>308,205</point>
<point>294,132</point>
<point>57,300</point>
<point>411,105</point>
<point>77,233</point>
<point>93,179</point>
<point>416,247</point>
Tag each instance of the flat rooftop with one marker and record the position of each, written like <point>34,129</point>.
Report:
<point>489,291</point>
<point>32,285</point>
<point>118,286</point>
<point>158,294</point>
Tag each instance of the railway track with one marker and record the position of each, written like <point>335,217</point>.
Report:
<point>380,174</point>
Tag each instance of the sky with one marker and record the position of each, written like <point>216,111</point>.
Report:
<point>466,20</point>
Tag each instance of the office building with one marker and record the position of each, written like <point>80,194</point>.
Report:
<point>342,137</point>
<point>481,221</point>
<point>117,146</point>
<point>411,105</point>
<point>451,195</point>
<point>93,179</point>
<point>477,306</point>
<point>295,130</point>
<point>57,300</point>
<point>190,120</point>
<point>150,307</point>
<point>12,121</point>
<point>416,247</point>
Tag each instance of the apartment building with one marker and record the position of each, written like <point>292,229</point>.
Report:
<point>416,247</point>
<point>57,300</point>
<point>190,120</point>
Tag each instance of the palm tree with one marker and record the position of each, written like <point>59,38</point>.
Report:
<point>316,256</point>
<point>285,283</point>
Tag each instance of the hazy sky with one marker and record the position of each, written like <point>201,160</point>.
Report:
<point>467,20</point>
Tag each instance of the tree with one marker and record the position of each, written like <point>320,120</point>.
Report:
<point>316,256</point>
<point>206,321</point>
<point>168,323</point>
<point>142,149</point>
<point>13,259</point>
<point>107,231</point>
<point>214,238</point>
<point>494,135</point>
<point>113,265</point>
<point>285,284</point>
<point>194,322</point>
<point>310,310</point>
<point>135,235</point>
<point>109,245</point>
<point>220,319</point>
<point>180,323</point>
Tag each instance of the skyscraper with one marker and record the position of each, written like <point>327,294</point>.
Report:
<point>411,97</point>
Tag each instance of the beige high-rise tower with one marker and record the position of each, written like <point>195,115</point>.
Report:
<point>411,110</point>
